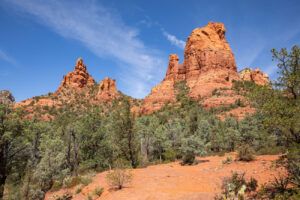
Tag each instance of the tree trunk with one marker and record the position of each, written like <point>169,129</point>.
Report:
<point>3,174</point>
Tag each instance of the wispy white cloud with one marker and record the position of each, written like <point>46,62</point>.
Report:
<point>103,32</point>
<point>7,58</point>
<point>174,40</point>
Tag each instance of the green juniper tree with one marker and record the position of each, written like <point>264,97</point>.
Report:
<point>13,144</point>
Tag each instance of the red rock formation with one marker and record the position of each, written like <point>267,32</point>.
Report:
<point>107,90</point>
<point>256,75</point>
<point>164,92</point>
<point>208,60</point>
<point>77,79</point>
<point>208,64</point>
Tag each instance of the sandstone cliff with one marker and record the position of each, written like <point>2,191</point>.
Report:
<point>208,64</point>
<point>107,90</point>
<point>254,75</point>
<point>209,70</point>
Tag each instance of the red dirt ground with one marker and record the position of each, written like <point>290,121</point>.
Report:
<point>173,182</point>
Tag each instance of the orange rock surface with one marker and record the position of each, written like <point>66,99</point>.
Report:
<point>256,75</point>
<point>107,90</point>
<point>208,65</point>
<point>175,182</point>
<point>77,79</point>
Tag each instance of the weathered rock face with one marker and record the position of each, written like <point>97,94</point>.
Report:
<point>165,92</point>
<point>208,64</point>
<point>6,97</point>
<point>256,76</point>
<point>208,60</point>
<point>107,90</point>
<point>77,79</point>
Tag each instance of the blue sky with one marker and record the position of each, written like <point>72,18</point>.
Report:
<point>130,40</point>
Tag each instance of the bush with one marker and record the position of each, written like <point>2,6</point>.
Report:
<point>78,190</point>
<point>188,158</point>
<point>228,160</point>
<point>89,197</point>
<point>56,186</point>
<point>293,165</point>
<point>66,196</point>
<point>169,155</point>
<point>278,189</point>
<point>236,186</point>
<point>85,180</point>
<point>98,191</point>
<point>70,181</point>
<point>120,176</point>
<point>251,185</point>
<point>245,153</point>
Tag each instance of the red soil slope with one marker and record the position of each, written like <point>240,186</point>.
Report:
<point>173,181</point>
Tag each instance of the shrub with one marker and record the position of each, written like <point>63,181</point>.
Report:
<point>78,190</point>
<point>85,180</point>
<point>98,191</point>
<point>251,185</point>
<point>66,196</point>
<point>228,160</point>
<point>277,189</point>
<point>89,197</point>
<point>188,158</point>
<point>70,181</point>
<point>120,176</point>
<point>293,165</point>
<point>169,155</point>
<point>236,186</point>
<point>239,103</point>
<point>56,186</point>
<point>245,153</point>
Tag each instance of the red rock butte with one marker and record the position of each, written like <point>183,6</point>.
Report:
<point>208,64</point>
<point>78,79</point>
<point>107,90</point>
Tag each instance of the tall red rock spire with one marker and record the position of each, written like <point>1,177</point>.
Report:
<point>107,90</point>
<point>208,64</point>
<point>78,79</point>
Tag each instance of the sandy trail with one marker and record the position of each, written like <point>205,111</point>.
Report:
<point>173,182</point>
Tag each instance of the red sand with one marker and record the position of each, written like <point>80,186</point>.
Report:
<point>172,181</point>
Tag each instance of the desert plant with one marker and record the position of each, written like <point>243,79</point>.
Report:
<point>188,158</point>
<point>235,187</point>
<point>228,160</point>
<point>169,155</point>
<point>78,190</point>
<point>277,189</point>
<point>72,181</point>
<point>89,197</point>
<point>98,191</point>
<point>120,176</point>
<point>245,153</point>
<point>251,185</point>
<point>56,185</point>
<point>85,180</point>
<point>66,196</point>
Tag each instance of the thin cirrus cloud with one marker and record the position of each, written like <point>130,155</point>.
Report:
<point>104,33</point>
<point>174,40</point>
<point>7,58</point>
